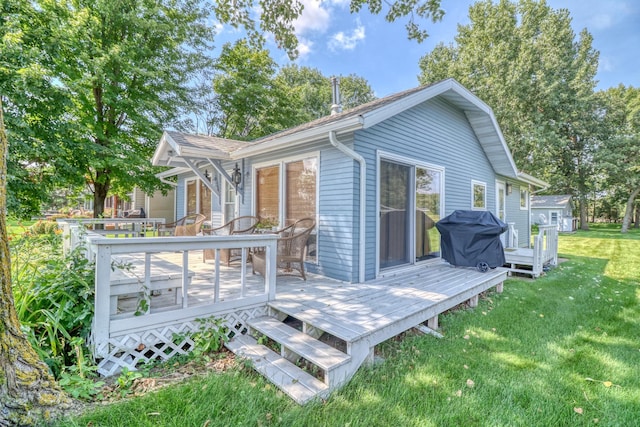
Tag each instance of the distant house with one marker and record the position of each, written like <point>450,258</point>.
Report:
<point>554,210</point>
<point>376,178</point>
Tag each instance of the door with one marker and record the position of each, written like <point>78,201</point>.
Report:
<point>395,207</point>
<point>501,205</point>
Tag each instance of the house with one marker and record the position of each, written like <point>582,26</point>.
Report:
<point>376,178</point>
<point>554,210</point>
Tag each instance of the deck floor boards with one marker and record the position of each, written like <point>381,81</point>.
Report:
<point>347,311</point>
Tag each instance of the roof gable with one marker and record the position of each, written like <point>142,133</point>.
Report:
<point>555,201</point>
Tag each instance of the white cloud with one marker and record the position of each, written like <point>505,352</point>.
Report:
<point>342,41</point>
<point>314,18</point>
<point>304,47</point>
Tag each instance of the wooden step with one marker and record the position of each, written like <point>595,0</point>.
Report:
<point>316,352</point>
<point>293,381</point>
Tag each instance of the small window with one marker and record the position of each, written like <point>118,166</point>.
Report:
<point>524,199</point>
<point>478,195</point>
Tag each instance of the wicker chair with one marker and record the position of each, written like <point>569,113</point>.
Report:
<point>189,225</point>
<point>292,243</point>
<point>241,225</point>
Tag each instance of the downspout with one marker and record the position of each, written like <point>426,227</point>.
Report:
<point>363,184</point>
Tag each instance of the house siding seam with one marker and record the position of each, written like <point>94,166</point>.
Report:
<point>435,132</point>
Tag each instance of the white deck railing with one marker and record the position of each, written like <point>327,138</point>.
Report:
<point>109,329</point>
<point>116,227</point>
<point>545,247</point>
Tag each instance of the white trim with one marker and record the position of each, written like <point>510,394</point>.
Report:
<point>314,134</point>
<point>413,164</point>
<point>473,199</point>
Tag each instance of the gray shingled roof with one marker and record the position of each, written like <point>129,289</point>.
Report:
<point>204,142</point>
<point>559,201</point>
<point>352,112</point>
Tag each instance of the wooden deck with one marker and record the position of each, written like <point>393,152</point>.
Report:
<point>533,261</point>
<point>360,316</point>
<point>150,309</point>
<point>353,317</point>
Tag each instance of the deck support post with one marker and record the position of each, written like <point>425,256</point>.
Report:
<point>500,287</point>
<point>473,301</point>
<point>433,323</point>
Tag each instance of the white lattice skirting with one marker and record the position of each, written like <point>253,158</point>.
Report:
<point>161,343</point>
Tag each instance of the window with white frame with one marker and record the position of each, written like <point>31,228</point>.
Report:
<point>524,199</point>
<point>478,195</point>
<point>296,180</point>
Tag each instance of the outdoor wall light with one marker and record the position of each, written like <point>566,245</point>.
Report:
<point>206,175</point>
<point>509,188</point>
<point>236,177</point>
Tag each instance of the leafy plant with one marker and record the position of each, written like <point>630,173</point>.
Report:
<point>126,380</point>
<point>208,338</point>
<point>53,297</point>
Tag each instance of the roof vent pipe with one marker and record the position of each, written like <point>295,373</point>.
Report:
<point>336,107</point>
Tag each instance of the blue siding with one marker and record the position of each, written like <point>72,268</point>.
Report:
<point>339,214</point>
<point>434,132</point>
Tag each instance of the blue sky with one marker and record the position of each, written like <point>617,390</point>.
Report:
<point>337,42</point>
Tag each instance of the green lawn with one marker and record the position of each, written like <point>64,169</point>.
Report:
<point>563,350</point>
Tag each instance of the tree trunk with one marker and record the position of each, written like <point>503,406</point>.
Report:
<point>628,212</point>
<point>28,392</point>
<point>584,214</point>
<point>100,188</point>
<point>637,223</point>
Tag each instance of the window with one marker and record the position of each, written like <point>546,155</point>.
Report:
<point>268,193</point>
<point>300,201</point>
<point>524,199</point>
<point>478,195</point>
<point>198,198</point>
<point>296,180</point>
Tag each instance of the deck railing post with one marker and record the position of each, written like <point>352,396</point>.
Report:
<point>102,300</point>
<point>270,269</point>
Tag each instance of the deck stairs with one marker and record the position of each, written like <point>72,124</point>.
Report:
<point>300,353</point>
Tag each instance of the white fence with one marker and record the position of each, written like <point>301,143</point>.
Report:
<point>124,339</point>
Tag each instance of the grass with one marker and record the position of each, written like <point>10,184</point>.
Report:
<point>560,350</point>
<point>16,228</point>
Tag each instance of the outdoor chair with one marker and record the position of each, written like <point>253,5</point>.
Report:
<point>241,225</point>
<point>189,225</point>
<point>291,252</point>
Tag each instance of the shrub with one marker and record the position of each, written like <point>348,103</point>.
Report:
<point>53,297</point>
<point>44,227</point>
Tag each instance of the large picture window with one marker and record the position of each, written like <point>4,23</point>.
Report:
<point>297,181</point>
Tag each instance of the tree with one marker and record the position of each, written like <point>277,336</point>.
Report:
<point>253,98</point>
<point>619,155</point>
<point>523,59</point>
<point>312,91</point>
<point>28,392</point>
<point>250,102</point>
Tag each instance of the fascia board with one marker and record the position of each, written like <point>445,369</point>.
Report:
<point>347,125</point>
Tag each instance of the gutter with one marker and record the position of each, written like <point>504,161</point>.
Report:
<point>363,186</point>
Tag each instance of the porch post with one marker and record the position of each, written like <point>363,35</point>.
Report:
<point>102,300</point>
